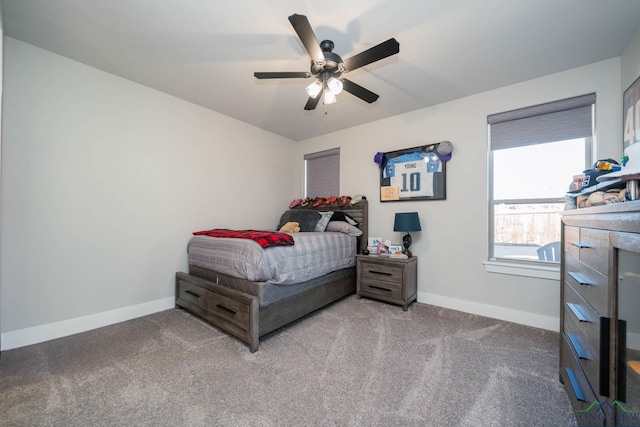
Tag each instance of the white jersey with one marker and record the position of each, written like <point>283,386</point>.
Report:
<point>414,178</point>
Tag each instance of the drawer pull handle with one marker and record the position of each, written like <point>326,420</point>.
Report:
<point>579,278</point>
<point>621,382</point>
<point>579,245</point>
<point>382,273</point>
<point>604,355</point>
<point>575,385</point>
<point>223,308</point>
<point>378,287</point>
<point>576,344</point>
<point>576,312</point>
<point>192,294</point>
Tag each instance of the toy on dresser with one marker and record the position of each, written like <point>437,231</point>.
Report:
<point>597,198</point>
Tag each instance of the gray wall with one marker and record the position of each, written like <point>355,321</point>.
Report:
<point>452,248</point>
<point>103,181</point>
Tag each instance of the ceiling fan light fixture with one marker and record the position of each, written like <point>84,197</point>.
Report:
<point>334,85</point>
<point>314,89</point>
<point>329,98</point>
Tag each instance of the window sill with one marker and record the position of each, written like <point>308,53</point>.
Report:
<point>521,269</point>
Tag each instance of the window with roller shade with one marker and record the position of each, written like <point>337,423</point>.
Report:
<point>533,154</point>
<point>322,173</point>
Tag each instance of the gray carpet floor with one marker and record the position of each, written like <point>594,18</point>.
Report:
<point>354,363</point>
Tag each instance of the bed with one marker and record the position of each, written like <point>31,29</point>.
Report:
<point>236,297</point>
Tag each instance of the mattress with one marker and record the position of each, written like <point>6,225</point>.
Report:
<point>313,255</point>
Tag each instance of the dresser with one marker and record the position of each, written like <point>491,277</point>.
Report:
<point>393,280</point>
<point>600,299</point>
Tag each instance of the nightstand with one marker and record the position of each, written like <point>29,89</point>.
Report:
<point>387,279</point>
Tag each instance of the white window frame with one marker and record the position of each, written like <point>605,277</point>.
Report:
<point>529,268</point>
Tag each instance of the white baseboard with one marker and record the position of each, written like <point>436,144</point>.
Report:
<point>522,317</point>
<point>50,331</point>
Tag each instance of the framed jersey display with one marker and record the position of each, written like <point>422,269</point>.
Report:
<point>412,174</point>
<point>631,114</point>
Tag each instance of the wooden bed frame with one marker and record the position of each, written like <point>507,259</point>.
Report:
<point>240,314</point>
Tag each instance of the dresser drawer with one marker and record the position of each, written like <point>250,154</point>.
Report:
<point>589,283</point>
<point>578,388</point>
<point>572,240</point>
<point>588,337</point>
<point>594,250</point>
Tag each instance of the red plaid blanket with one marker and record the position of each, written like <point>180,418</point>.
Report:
<point>265,239</point>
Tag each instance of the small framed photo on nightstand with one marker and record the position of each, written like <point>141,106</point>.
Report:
<point>396,248</point>
<point>373,241</point>
<point>383,248</point>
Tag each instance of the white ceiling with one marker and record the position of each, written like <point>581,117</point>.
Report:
<point>205,51</point>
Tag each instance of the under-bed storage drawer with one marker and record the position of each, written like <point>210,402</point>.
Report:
<point>230,310</point>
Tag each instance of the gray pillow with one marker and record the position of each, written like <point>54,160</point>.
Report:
<point>322,224</point>
<point>344,227</point>
<point>306,218</point>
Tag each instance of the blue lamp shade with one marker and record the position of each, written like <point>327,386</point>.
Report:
<point>407,222</point>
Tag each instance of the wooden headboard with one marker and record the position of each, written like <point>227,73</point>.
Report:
<point>359,212</point>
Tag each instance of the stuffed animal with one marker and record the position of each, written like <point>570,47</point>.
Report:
<point>597,198</point>
<point>290,227</point>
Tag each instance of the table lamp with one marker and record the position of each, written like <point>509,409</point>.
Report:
<point>407,221</point>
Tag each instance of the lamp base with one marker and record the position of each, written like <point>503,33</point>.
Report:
<point>406,242</point>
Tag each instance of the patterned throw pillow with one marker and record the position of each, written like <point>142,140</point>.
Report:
<point>341,216</point>
<point>322,223</point>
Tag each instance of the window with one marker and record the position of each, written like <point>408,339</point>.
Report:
<point>533,154</point>
<point>322,173</point>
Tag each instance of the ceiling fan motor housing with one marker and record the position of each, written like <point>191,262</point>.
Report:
<point>332,61</point>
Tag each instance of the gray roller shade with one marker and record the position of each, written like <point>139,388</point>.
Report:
<point>554,121</point>
<point>323,173</point>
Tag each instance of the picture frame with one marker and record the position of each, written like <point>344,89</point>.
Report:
<point>630,104</point>
<point>372,245</point>
<point>373,241</point>
<point>383,249</point>
<point>395,248</point>
<point>410,174</point>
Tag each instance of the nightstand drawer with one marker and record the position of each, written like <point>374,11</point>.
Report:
<point>391,274</point>
<point>589,283</point>
<point>379,288</point>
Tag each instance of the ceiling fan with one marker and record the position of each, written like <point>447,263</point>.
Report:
<point>327,67</point>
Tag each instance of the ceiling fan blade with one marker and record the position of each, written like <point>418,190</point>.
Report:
<point>313,102</point>
<point>283,75</point>
<point>307,37</point>
<point>376,53</point>
<point>359,91</point>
